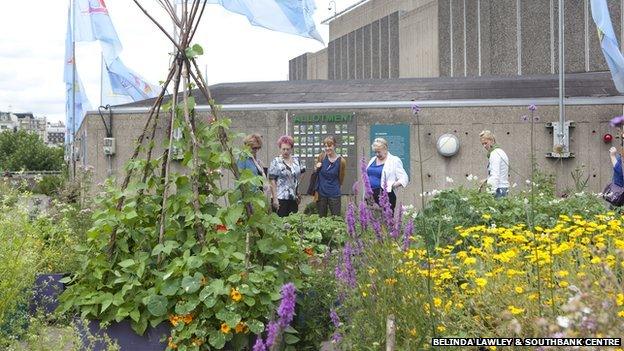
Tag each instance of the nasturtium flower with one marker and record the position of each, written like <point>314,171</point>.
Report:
<point>225,329</point>
<point>235,295</point>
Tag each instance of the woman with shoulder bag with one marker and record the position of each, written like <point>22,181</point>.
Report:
<point>330,169</point>
<point>614,192</point>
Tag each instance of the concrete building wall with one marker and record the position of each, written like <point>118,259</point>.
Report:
<point>367,13</point>
<point>418,42</point>
<point>466,123</point>
<point>518,37</point>
<point>317,65</point>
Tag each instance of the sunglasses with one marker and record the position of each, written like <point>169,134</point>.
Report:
<point>256,148</point>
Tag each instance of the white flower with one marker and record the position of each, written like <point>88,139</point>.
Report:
<point>449,179</point>
<point>563,322</point>
<point>528,181</point>
<point>471,177</point>
<point>464,199</point>
<point>514,185</point>
<point>586,310</point>
<point>526,201</point>
<point>447,217</point>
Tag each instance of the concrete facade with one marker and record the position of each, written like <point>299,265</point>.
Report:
<point>461,106</point>
<point>466,123</point>
<point>459,38</point>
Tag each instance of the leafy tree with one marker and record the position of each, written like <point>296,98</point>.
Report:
<point>24,150</point>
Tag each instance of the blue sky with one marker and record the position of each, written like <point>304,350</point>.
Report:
<point>33,35</point>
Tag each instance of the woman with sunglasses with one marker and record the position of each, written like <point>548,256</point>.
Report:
<point>252,163</point>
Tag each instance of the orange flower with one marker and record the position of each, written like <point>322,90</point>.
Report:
<point>241,327</point>
<point>221,228</point>
<point>171,344</point>
<point>187,319</point>
<point>309,251</point>
<point>174,320</point>
<point>225,329</point>
<point>235,295</point>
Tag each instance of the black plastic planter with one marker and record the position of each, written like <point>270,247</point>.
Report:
<point>46,291</point>
<point>124,336</point>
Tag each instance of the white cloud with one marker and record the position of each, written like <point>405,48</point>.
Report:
<point>31,57</point>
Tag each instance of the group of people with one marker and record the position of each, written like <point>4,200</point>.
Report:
<point>385,172</point>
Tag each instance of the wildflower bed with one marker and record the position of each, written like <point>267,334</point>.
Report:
<point>559,281</point>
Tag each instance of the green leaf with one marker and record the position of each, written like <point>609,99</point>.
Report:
<point>157,305</point>
<point>291,339</point>
<point>126,263</point>
<point>198,49</point>
<point>135,315</point>
<point>194,262</point>
<point>255,326</point>
<point>217,340</point>
<point>191,284</point>
<point>210,301</point>
<point>234,278</point>
<point>229,317</point>
<point>66,280</point>
<point>249,301</point>
<point>171,288</point>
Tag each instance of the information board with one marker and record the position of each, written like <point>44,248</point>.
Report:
<point>309,131</point>
<point>398,138</point>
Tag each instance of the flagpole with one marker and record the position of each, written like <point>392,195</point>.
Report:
<point>561,76</point>
<point>101,79</point>
<point>73,37</point>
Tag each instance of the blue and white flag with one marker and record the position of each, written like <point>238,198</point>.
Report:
<point>92,22</point>
<point>74,108</point>
<point>126,83</point>
<point>288,16</point>
<point>608,42</point>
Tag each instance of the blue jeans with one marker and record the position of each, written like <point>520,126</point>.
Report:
<point>500,192</point>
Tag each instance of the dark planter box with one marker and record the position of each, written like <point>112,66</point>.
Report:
<point>92,337</point>
<point>45,294</point>
<point>124,336</point>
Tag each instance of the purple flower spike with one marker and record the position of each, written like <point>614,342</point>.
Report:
<point>368,191</point>
<point>334,318</point>
<point>286,310</point>
<point>349,271</point>
<point>415,109</point>
<point>273,331</point>
<point>386,208</point>
<point>617,121</point>
<point>364,216</point>
<point>259,345</point>
<point>377,229</point>
<point>532,108</point>
<point>397,223</point>
<point>409,229</point>
<point>336,337</point>
<point>350,218</point>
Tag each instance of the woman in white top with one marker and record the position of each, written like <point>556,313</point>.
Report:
<point>385,171</point>
<point>498,165</point>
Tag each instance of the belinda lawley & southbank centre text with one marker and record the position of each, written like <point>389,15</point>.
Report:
<point>526,342</point>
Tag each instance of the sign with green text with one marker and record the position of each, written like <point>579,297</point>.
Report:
<point>309,132</point>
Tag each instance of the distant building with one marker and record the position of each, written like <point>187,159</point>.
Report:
<point>55,133</point>
<point>8,122</point>
<point>27,121</point>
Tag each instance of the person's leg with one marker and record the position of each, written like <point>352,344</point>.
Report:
<point>321,206</point>
<point>294,206</point>
<point>335,205</point>
<point>376,195</point>
<point>283,208</point>
<point>392,198</point>
<point>500,192</point>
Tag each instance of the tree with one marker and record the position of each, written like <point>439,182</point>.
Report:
<point>24,150</point>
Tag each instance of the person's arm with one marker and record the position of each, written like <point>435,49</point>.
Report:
<point>401,176</point>
<point>612,154</point>
<point>495,165</point>
<point>273,174</point>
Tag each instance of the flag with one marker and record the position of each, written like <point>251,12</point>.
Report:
<point>124,84</point>
<point>288,16</point>
<point>109,97</point>
<point>74,108</point>
<point>608,42</point>
<point>92,22</point>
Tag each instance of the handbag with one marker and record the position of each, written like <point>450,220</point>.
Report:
<point>613,194</point>
<point>314,176</point>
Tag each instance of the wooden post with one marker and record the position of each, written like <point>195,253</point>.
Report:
<point>390,333</point>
